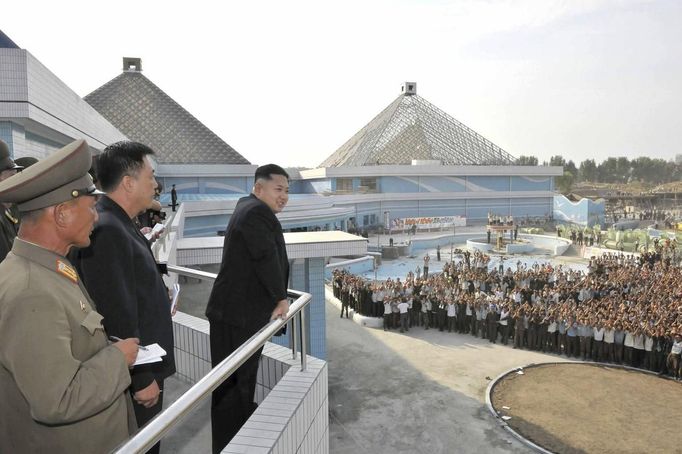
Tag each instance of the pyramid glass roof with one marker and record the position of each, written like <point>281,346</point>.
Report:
<point>411,128</point>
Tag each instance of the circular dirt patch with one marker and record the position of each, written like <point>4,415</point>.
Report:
<point>588,408</point>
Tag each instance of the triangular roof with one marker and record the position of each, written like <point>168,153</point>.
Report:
<point>144,113</point>
<point>411,128</point>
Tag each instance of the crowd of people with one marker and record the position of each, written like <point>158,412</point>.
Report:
<point>624,309</point>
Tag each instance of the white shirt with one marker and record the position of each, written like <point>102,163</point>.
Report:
<point>402,307</point>
<point>503,317</point>
<point>639,342</point>
<point>629,339</point>
<point>598,334</point>
<point>609,335</point>
<point>452,310</point>
<point>677,348</point>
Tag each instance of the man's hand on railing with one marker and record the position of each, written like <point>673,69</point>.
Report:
<point>281,310</point>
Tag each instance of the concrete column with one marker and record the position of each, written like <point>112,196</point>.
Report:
<point>308,275</point>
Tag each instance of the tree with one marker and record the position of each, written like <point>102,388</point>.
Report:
<point>588,171</point>
<point>527,161</point>
<point>614,170</point>
<point>557,160</point>
<point>565,182</point>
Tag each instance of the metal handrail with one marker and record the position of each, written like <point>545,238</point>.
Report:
<point>167,419</point>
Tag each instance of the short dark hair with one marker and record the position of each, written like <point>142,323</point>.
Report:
<point>268,170</point>
<point>118,160</point>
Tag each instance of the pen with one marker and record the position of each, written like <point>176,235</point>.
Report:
<point>118,339</point>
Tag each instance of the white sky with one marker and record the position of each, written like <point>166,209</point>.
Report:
<point>290,81</point>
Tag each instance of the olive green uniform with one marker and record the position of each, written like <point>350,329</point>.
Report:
<point>62,385</point>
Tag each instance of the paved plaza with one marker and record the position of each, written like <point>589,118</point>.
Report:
<point>418,392</point>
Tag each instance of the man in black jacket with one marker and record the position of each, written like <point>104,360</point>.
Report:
<point>121,274</point>
<point>9,215</point>
<point>250,290</point>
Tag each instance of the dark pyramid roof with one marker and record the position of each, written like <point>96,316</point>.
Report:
<point>6,42</point>
<point>412,128</point>
<point>144,113</point>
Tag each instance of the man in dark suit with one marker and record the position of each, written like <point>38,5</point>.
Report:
<point>9,215</point>
<point>121,274</point>
<point>250,290</point>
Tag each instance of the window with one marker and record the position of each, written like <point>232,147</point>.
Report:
<point>368,185</point>
<point>344,184</point>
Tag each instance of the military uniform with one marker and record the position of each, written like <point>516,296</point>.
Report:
<point>47,320</point>
<point>62,385</point>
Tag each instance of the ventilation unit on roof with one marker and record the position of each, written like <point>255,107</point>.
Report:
<point>132,64</point>
<point>409,88</point>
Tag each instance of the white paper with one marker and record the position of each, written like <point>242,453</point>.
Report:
<point>157,228</point>
<point>175,293</point>
<point>152,354</point>
<point>506,418</point>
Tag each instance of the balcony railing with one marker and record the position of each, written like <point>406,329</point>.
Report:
<point>167,419</point>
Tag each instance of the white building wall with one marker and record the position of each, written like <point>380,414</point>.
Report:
<point>44,112</point>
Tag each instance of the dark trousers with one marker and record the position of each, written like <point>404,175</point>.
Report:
<point>619,353</point>
<point>404,321</point>
<point>562,343</point>
<point>414,318</point>
<point>232,403</point>
<point>519,335</point>
<point>530,336</point>
<point>451,324</point>
<point>504,330</point>
<point>492,330</point>
<point>552,342</point>
<point>573,346</point>
<point>144,415</point>
<point>426,319</point>
<point>628,356</point>
<point>585,347</point>
<point>598,350</point>
<point>609,352</point>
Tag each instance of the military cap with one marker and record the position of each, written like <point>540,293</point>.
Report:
<point>60,177</point>
<point>6,162</point>
<point>26,161</point>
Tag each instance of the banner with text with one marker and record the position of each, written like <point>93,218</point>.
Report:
<point>428,222</point>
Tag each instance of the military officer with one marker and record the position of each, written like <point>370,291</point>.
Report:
<point>9,217</point>
<point>62,384</point>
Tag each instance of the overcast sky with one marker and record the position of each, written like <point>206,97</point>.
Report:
<point>290,82</point>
